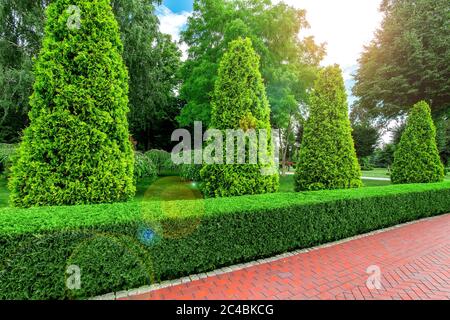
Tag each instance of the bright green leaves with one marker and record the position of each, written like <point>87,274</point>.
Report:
<point>417,159</point>
<point>239,102</point>
<point>77,148</point>
<point>273,29</point>
<point>327,156</point>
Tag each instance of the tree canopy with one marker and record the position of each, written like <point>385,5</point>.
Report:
<point>406,62</point>
<point>366,138</point>
<point>288,64</point>
<point>152,58</point>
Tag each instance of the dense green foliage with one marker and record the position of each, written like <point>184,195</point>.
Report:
<point>124,246</point>
<point>6,153</point>
<point>366,138</point>
<point>288,64</point>
<point>407,61</point>
<point>144,167</point>
<point>153,61</point>
<point>239,102</point>
<point>77,148</point>
<point>416,158</point>
<point>21,31</point>
<point>443,138</point>
<point>327,156</point>
<point>191,172</point>
<point>162,160</point>
<point>152,58</point>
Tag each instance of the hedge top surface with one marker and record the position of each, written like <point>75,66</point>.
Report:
<point>22,221</point>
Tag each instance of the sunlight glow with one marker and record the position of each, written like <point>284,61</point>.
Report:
<point>345,25</point>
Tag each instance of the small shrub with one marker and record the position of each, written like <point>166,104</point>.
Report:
<point>191,172</point>
<point>162,161</point>
<point>366,164</point>
<point>416,159</point>
<point>144,167</point>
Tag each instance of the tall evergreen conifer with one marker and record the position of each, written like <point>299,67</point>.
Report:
<point>327,156</point>
<point>416,159</point>
<point>77,149</point>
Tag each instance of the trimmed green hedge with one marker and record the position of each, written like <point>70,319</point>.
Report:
<point>127,245</point>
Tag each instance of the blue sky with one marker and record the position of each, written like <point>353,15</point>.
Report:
<point>178,6</point>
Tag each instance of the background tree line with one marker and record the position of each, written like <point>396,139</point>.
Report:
<point>407,61</point>
<point>289,64</point>
<point>152,59</point>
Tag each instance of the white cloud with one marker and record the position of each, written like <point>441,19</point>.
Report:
<point>173,23</point>
<point>345,25</point>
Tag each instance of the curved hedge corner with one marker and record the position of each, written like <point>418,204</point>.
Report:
<point>128,245</point>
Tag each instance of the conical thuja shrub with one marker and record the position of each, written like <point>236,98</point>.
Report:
<point>327,156</point>
<point>416,159</point>
<point>77,149</point>
<point>240,103</point>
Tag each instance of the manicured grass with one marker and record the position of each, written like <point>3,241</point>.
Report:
<point>383,173</point>
<point>375,183</point>
<point>166,189</point>
<point>147,189</point>
<point>287,183</point>
<point>170,186</point>
<point>376,173</point>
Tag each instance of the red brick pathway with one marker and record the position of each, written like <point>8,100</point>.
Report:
<point>414,261</point>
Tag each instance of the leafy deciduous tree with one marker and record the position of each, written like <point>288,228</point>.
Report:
<point>152,58</point>
<point>288,64</point>
<point>366,138</point>
<point>406,62</point>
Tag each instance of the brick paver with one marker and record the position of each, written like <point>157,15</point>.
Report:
<point>414,261</point>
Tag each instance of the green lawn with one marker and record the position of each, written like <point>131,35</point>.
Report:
<point>376,173</point>
<point>287,183</point>
<point>375,183</point>
<point>383,173</point>
<point>172,188</point>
